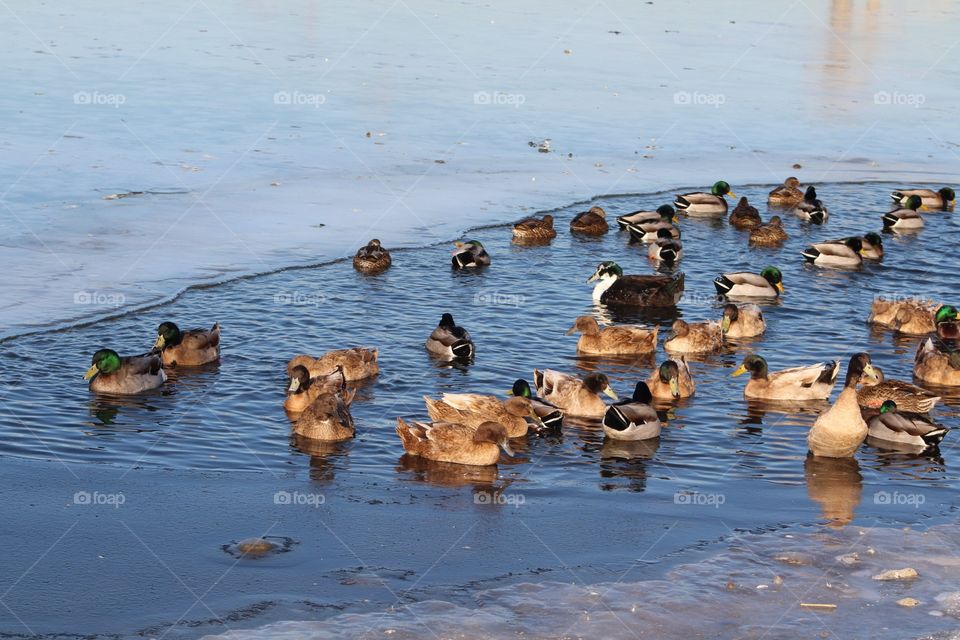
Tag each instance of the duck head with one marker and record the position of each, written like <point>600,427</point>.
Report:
<point>599,383</point>
<point>495,433</point>
<point>299,379</point>
<point>756,365</point>
<point>168,335</point>
<point>731,313</point>
<point>667,213</point>
<point>948,195</point>
<point>860,370</point>
<point>103,361</point>
<point>721,188</point>
<point>669,374</point>
<point>606,272</point>
<point>773,276</point>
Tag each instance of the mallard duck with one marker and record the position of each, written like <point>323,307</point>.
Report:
<point>840,430</point>
<point>474,409</point>
<point>914,320</point>
<point>458,443</point>
<point>885,312</point>
<point>469,255</point>
<point>941,199</point>
<point>649,230</point>
<point>533,229</point>
<point>576,397</point>
<point>742,321</point>
<point>614,288</point>
<point>672,380</point>
<point>357,363</point>
<point>450,341</point>
<point>664,214</point>
<point>872,246</point>
<point>936,367</point>
<point>548,415</point>
<point>621,340</point>
<point>591,223</point>
<point>302,389</point>
<point>110,373</point>
<point>770,234</point>
<point>705,205</point>
<point>908,428</point>
<point>835,254</point>
<point>946,322</point>
<point>811,208</point>
<point>788,193</point>
<point>908,397</point>
<point>699,337</point>
<point>187,348</point>
<point>906,218</point>
<point>326,418</point>
<point>665,249</point>
<point>372,259</point>
<point>633,419</point>
<point>814,382</point>
<point>768,284</point>
<point>745,216</point>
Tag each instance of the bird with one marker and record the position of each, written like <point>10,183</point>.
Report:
<point>326,418</point>
<point>664,213</point>
<point>534,230</point>
<point>892,313</point>
<point>907,217</point>
<point>936,367</point>
<point>846,254</point>
<point>450,341</point>
<point>768,284</point>
<point>840,430</point>
<point>665,248</point>
<point>614,288</point>
<point>672,380</point>
<point>813,382</point>
<point>940,199</point>
<point>303,389</point>
<point>872,246</point>
<point>615,340</point>
<point>914,430</point>
<point>576,397</point>
<point>191,348</point>
<point>769,234</point>
<point>745,216</point>
<point>112,374</point>
<point>946,324</point>
<point>788,193</point>
<point>592,222</point>
<point>469,254</point>
<point>372,259</point>
<point>549,415</point>
<point>811,208</point>
<point>457,443</point>
<point>474,409</point>
<point>908,397</point>
<point>742,321</point>
<point>632,419</point>
<point>706,205</point>
<point>699,337</point>
<point>357,363</point>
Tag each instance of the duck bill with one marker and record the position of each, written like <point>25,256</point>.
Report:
<point>92,371</point>
<point>595,276</point>
<point>731,194</point>
<point>509,392</point>
<point>610,392</point>
<point>725,325</point>
<point>571,331</point>
<point>505,445</point>
<point>159,344</point>
<point>739,371</point>
<point>674,387</point>
<point>780,287</point>
<point>294,385</point>
<point>871,373</point>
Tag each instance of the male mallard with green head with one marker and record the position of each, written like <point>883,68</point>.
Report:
<point>110,373</point>
<point>672,380</point>
<point>907,217</point>
<point>941,199</point>
<point>664,213</point>
<point>705,205</point>
<point>742,284</point>
<point>915,431</point>
<point>634,418</point>
<point>614,288</point>
<point>843,255</point>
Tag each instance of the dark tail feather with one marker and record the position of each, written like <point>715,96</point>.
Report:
<point>614,419</point>
<point>817,217</point>
<point>723,284</point>
<point>810,253</point>
<point>829,373</point>
<point>462,349</point>
<point>933,438</point>
<point>889,220</point>
<point>553,421</point>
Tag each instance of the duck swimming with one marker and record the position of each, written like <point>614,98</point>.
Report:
<point>672,380</point>
<point>450,341</point>
<point>742,321</point>
<point>474,409</point>
<point>941,199</point>
<point>745,216</point>
<point>614,288</point>
<point>705,205</point>
<point>788,193</point>
<point>469,254</point>
<point>327,418</point>
<point>112,374</point>
<point>534,229</point>
<point>906,218</point>
<point>811,208</point>
<point>357,363</point>
<point>591,223</point>
<point>770,234</point>
<point>840,430</point>
<point>615,340</point>
<point>664,213</point>
<point>813,382</point>
<point>915,431</point>
<point>550,416</point>
<point>302,389</point>
<point>909,397</point>
<point>633,419</point>
<point>665,249</point>
<point>847,254</point>
<point>457,443</point>
<point>699,337</point>
<point>576,397</point>
<point>372,259</point>
<point>768,284</point>
<point>187,348</point>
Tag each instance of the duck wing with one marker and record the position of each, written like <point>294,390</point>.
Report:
<point>199,339</point>
<point>820,373</point>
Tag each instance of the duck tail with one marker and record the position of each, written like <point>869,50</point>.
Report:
<point>553,422</point>
<point>636,234</point>
<point>818,216</point>
<point>406,436</point>
<point>622,223</point>
<point>830,372</point>
<point>897,196</point>
<point>889,219</point>
<point>723,284</point>
<point>462,349</point>
<point>811,254</point>
<point>614,419</point>
<point>668,254</point>
<point>681,203</point>
<point>933,438</point>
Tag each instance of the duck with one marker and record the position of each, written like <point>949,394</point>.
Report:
<point>372,259</point>
<point>450,341</point>
<point>699,337</point>
<point>745,216</point>
<point>672,380</point>
<point>768,284</point>
<point>813,382</point>
<point>847,254</point>
<point>935,367</point>
<point>191,348</point>
<point>664,213</point>
<point>549,416</point>
<point>327,418</point>
<point>914,320</point>
<point>591,223</point>
<point>946,323</point>
<point>872,246</point>
<point>705,205</point>
<point>665,248</point>
<point>811,208</point>
<point>618,340</point>
<point>576,397</point>
<point>633,419</point>
<point>534,230</point>
<point>907,217</point>
<point>908,397</point>
<point>941,199</point>
<point>129,375</point>
<point>303,389</point>
<point>742,321</point>
<point>914,430</point>
<point>474,409</point>
<point>769,234</point>
<point>649,230</point>
<point>469,254</point>
<point>357,363</point>
<point>840,430</point>
<point>885,312</point>
<point>457,443</point>
<point>614,288</point>
<point>788,193</point>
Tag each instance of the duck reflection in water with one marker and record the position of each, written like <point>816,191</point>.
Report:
<point>626,459</point>
<point>836,485</point>
<point>447,474</point>
<point>326,458</point>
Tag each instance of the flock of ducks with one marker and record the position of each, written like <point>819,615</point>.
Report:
<point>472,429</point>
